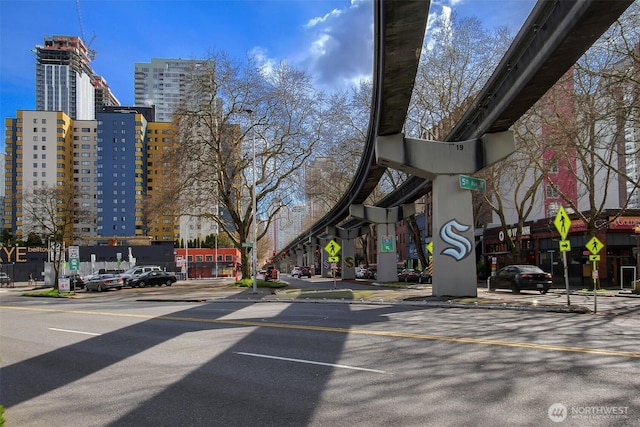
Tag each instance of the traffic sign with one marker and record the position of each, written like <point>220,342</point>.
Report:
<point>471,183</point>
<point>74,257</point>
<point>333,247</point>
<point>333,259</point>
<point>565,246</point>
<point>562,223</point>
<point>594,257</point>
<point>430,247</point>
<point>247,244</point>
<point>594,245</point>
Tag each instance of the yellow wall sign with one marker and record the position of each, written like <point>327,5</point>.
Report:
<point>333,248</point>
<point>562,223</point>
<point>594,245</point>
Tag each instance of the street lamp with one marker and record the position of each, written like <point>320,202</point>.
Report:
<point>254,207</point>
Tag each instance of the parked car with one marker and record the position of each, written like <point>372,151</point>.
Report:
<point>424,276</point>
<point>136,271</point>
<point>5,279</point>
<point>519,277</point>
<point>371,273</point>
<point>360,272</point>
<point>408,275</point>
<point>305,271</point>
<point>103,282</point>
<point>151,278</point>
<point>296,271</point>
<point>75,281</point>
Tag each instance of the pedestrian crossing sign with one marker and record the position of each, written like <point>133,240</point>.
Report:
<point>594,245</point>
<point>562,223</point>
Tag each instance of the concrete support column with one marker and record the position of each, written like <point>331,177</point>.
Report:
<point>348,259</point>
<point>454,261</point>
<point>387,254</point>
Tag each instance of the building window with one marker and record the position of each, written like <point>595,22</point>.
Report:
<point>552,192</point>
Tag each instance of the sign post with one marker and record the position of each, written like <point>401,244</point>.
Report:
<point>333,248</point>
<point>563,223</point>
<point>594,245</point>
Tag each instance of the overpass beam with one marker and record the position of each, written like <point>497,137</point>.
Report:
<point>428,159</point>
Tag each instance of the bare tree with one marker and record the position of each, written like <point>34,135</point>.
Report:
<point>242,129</point>
<point>51,213</point>
<point>592,128</point>
<point>457,60</point>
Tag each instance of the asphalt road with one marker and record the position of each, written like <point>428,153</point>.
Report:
<point>123,361</point>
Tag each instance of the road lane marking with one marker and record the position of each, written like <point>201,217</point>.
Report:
<point>310,362</point>
<point>390,334</point>
<point>74,332</point>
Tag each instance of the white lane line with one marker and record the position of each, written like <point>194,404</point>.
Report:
<point>74,332</point>
<point>311,362</point>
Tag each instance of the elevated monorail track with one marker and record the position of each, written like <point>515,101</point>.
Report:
<point>554,36</point>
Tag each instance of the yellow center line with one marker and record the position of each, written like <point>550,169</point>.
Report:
<point>392,334</point>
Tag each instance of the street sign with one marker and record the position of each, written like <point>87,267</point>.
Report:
<point>333,259</point>
<point>430,247</point>
<point>386,244</point>
<point>594,245</point>
<point>74,257</point>
<point>247,244</point>
<point>594,257</point>
<point>565,246</point>
<point>333,248</point>
<point>471,183</point>
<point>562,223</point>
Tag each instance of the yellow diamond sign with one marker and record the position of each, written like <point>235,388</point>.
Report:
<point>594,245</point>
<point>333,248</point>
<point>562,223</point>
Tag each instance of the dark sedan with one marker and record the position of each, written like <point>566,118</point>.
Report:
<point>408,275</point>
<point>153,278</point>
<point>519,277</point>
<point>103,282</point>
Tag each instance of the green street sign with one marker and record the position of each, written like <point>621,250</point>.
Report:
<point>247,245</point>
<point>471,183</point>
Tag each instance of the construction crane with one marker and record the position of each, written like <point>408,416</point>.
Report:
<point>91,53</point>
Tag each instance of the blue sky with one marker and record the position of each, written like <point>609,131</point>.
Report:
<point>331,39</point>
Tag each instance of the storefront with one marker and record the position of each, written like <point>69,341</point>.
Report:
<point>619,258</point>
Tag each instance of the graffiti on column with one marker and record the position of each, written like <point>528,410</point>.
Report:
<point>450,233</point>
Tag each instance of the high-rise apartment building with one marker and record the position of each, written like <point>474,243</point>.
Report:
<point>162,224</point>
<point>38,155</point>
<point>66,82</point>
<point>162,83</point>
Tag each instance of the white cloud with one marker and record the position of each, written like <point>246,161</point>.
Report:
<point>340,47</point>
